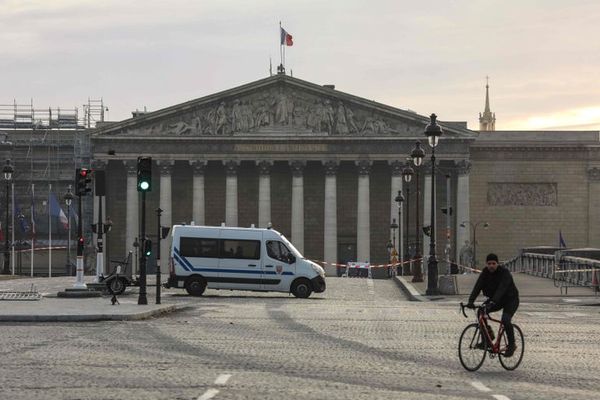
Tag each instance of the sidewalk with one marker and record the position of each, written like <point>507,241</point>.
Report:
<point>532,289</point>
<point>51,308</point>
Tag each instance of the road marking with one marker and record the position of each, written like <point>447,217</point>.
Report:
<point>500,397</point>
<point>222,379</point>
<point>572,300</point>
<point>370,286</point>
<point>480,386</point>
<point>209,394</point>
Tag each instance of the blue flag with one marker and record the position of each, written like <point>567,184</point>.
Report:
<point>561,240</point>
<point>57,211</point>
<point>22,220</point>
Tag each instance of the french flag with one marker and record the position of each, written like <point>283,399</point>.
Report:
<point>286,38</point>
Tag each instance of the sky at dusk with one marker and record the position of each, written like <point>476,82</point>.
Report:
<point>542,57</point>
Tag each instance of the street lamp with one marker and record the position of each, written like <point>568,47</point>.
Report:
<point>68,197</point>
<point>407,174</point>
<point>417,155</point>
<point>393,227</point>
<point>399,199</point>
<point>8,171</point>
<point>474,228</point>
<point>433,132</point>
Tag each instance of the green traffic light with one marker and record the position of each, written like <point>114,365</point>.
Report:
<point>148,253</point>
<point>144,185</point>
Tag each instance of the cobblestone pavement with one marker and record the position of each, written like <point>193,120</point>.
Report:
<point>360,339</point>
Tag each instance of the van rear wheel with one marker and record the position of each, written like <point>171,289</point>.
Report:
<point>195,285</point>
<point>301,288</point>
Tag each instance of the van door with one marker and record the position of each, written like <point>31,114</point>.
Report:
<point>279,266</point>
<point>239,262</point>
<point>200,256</point>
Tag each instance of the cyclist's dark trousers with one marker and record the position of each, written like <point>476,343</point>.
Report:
<point>508,310</point>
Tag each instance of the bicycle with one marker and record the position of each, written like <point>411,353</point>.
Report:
<point>476,340</point>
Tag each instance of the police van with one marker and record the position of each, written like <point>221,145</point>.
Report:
<point>239,259</point>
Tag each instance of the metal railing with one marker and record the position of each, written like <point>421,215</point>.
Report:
<point>565,271</point>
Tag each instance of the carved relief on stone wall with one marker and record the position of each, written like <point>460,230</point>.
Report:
<point>279,109</point>
<point>522,194</point>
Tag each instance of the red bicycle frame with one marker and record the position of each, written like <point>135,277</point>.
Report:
<point>482,319</point>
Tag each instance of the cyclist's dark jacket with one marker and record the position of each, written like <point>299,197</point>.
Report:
<point>498,286</point>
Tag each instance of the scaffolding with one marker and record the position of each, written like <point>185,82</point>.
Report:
<point>26,116</point>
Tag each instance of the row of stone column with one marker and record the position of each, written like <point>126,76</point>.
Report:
<point>297,206</point>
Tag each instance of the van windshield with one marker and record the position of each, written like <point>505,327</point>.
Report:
<point>291,247</point>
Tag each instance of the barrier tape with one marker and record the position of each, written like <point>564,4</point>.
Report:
<point>565,271</point>
<point>371,266</point>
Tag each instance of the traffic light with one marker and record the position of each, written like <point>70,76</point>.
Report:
<point>83,180</point>
<point>144,174</point>
<point>147,247</point>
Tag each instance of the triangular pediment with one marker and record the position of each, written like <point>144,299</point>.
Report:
<point>276,106</point>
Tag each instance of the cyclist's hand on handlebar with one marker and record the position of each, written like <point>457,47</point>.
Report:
<point>470,305</point>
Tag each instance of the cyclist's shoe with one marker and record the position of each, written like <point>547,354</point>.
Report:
<point>510,350</point>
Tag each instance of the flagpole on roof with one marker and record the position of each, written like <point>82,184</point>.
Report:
<point>280,48</point>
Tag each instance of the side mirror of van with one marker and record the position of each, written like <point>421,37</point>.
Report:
<point>291,259</point>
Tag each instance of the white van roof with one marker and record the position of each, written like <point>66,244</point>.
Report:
<point>191,228</point>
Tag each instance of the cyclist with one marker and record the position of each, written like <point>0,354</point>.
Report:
<point>498,285</point>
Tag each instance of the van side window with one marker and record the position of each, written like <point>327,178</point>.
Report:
<point>244,249</point>
<point>198,247</point>
<point>278,251</point>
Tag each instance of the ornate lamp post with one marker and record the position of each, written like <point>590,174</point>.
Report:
<point>407,174</point>
<point>417,155</point>
<point>8,171</point>
<point>399,199</point>
<point>474,228</point>
<point>433,132</point>
<point>68,197</point>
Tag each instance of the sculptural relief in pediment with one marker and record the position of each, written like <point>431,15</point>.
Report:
<point>280,110</point>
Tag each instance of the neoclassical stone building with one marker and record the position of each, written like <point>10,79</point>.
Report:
<point>321,165</point>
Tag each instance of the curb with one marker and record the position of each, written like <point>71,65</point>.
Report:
<point>96,317</point>
<point>409,290</point>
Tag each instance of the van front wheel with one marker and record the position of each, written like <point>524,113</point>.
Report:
<point>195,285</point>
<point>301,288</point>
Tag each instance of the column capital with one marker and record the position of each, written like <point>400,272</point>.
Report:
<point>165,167</point>
<point>231,167</point>
<point>297,167</point>
<point>331,167</point>
<point>131,167</point>
<point>364,167</point>
<point>593,174</point>
<point>463,167</point>
<point>397,167</point>
<point>198,166</point>
<point>264,167</point>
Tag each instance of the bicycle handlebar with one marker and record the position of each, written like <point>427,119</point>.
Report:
<point>462,308</point>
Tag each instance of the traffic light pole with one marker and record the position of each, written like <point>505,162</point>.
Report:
<point>79,284</point>
<point>99,232</point>
<point>158,214</point>
<point>142,299</point>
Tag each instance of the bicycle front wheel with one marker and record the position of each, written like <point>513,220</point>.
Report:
<point>511,363</point>
<point>470,351</point>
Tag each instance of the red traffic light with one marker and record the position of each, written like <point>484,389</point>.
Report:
<point>81,240</point>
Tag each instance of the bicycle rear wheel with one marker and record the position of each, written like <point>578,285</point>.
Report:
<point>511,363</point>
<point>471,357</point>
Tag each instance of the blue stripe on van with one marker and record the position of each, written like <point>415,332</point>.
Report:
<point>187,265</point>
<point>180,262</point>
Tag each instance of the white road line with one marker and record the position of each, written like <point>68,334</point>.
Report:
<point>500,397</point>
<point>480,386</point>
<point>222,379</point>
<point>209,394</point>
